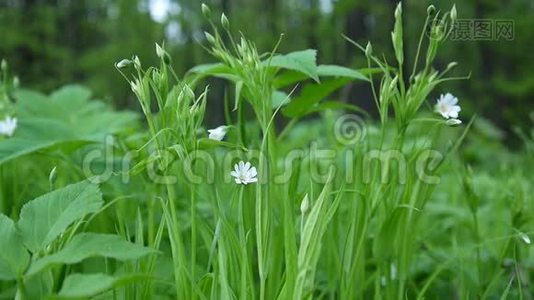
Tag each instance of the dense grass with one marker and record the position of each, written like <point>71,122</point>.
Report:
<point>413,205</point>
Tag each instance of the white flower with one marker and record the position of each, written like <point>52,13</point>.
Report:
<point>244,173</point>
<point>453,122</point>
<point>8,126</point>
<point>217,133</point>
<point>446,106</point>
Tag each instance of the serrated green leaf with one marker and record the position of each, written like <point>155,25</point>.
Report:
<point>85,245</point>
<point>302,61</point>
<point>13,256</point>
<point>42,220</point>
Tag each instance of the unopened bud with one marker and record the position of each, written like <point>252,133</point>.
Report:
<point>368,49</point>
<point>224,22</point>
<point>305,205</point>
<point>52,176</point>
<point>3,65</point>
<point>430,10</point>
<point>123,63</point>
<point>453,13</point>
<point>211,39</point>
<point>393,83</point>
<point>451,65</point>
<point>16,82</point>
<point>398,11</point>
<point>159,51</point>
<point>206,11</point>
<point>525,238</point>
<point>453,122</point>
<point>137,61</point>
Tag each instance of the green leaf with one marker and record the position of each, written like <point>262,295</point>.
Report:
<point>338,71</point>
<point>302,61</point>
<point>13,256</point>
<point>85,245</point>
<point>66,117</point>
<point>292,77</point>
<point>279,98</point>
<point>88,285</point>
<point>311,95</point>
<point>45,218</point>
<point>217,70</point>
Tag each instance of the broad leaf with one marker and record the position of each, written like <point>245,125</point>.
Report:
<point>85,285</point>
<point>13,256</point>
<point>217,70</point>
<point>302,61</point>
<point>280,98</point>
<point>311,95</point>
<point>292,77</point>
<point>85,245</point>
<point>78,286</point>
<point>339,71</point>
<point>45,218</point>
<point>66,117</point>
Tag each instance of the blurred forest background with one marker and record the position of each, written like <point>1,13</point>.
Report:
<point>49,43</point>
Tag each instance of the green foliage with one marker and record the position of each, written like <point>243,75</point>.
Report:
<point>13,256</point>
<point>45,218</point>
<point>66,117</point>
<point>47,229</point>
<point>86,245</point>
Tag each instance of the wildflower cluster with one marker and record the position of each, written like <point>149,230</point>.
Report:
<point>405,94</point>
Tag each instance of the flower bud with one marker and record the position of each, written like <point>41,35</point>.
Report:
<point>52,176</point>
<point>137,62</point>
<point>159,51</point>
<point>123,63</point>
<point>430,10</point>
<point>210,38</point>
<point>368,49</point>
<point>398,11</point>
<point>453,122</point>
<point>305,205</point>
<point>393,83</point>
<point>224,22</point>
<point>525,238</point>
<point>452,65</point>
<point>16,82</point>
<point>3,66</point>
<point>453,14</point>
<point>206,11</point>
